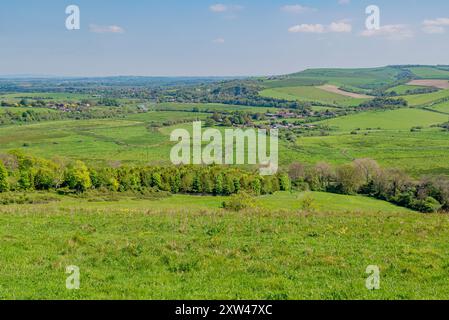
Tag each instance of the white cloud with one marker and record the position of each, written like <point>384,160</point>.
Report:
<point>335,27</point>
<point>434,29</point>
<point>308,28</point>
<point>218,8</point>
<point>296,8</point>
<point>340,26</point>
<point>436,26</point>
<point>106,29</point>
<point>344,2</point>
<point>221,8</point>
<point>218,41</point>
<point>391,32</point>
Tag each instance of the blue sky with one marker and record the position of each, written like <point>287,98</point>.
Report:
<point>203,38</point>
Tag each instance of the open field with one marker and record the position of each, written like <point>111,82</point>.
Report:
<point>289,201</point>
<point>425,99</point>
<point>45,96</point>
<point>424,72</point>
<point>19,110</point>
<point>211,107</point>
<point>400,119</point>
<point>366,78</point>
<point>130,141</point>
<point>335,89</point>
<point>139,253</point>
<point>441,107</point>
<point>403,89</point>
<point>311,94</point>
<point>95,140</point>
<point>418,153</point>
<point>440,84</point>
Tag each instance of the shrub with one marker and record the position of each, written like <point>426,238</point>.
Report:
<point>77,177</point>
<point>307,203</point>
<point>239,202</point>
<point>4,185</point>
<point>428,205</point>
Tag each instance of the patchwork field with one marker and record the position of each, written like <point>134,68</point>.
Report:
<point>384,136</point>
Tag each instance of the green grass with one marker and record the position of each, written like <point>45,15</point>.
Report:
<point>46,96</point>
<point>142,253</point>
<point>365,78</point>
<point>418,153</point>
<point>211,107</point>
<point>430,73</point>
<point>425,99</point>
<point>441,107</point>
<point>323,202</point>
<point>320,108</point>
<point>92,140</point>
<point>400,119</point>
<point>129,141</point>
<point>310,94</point>
<point>402,89</point>
<point>289,201</point>
<point>20,110</point>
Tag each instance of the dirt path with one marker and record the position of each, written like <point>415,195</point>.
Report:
<point>335,89</point>
<point>440,84</point>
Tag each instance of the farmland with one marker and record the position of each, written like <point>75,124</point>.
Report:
<point>311,94</point>
<point>308,233</point>
<point>387,120</point>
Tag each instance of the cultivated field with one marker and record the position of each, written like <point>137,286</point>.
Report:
<point>335,89</point>
<point>440,84</point>
<point>316,94</point>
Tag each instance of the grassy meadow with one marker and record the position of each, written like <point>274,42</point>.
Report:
<point>146,251</point>
<point>400,119</point>
<point>310,94</point>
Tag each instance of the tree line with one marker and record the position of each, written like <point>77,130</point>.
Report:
<point>366,177</point>
<point>20,172</point>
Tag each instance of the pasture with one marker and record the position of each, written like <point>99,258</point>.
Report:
<point>425,99</point>
<point>384,136</point>
<point>400,119</point>
<point>141,253</point>
<point>403,89</point>
<point>426,72</point>
<point>311,94</point>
